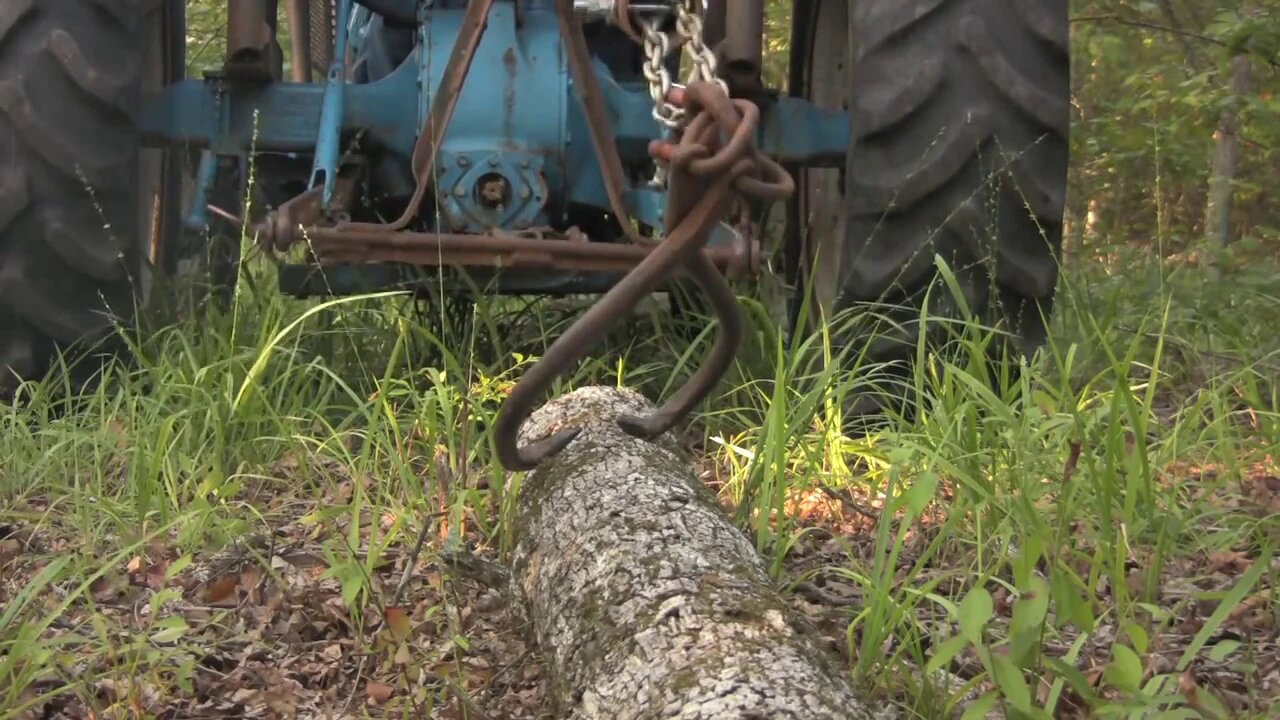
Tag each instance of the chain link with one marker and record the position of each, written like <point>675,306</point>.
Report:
<point>657,45</point>
<point>689,25</point>
<point>656,48</point>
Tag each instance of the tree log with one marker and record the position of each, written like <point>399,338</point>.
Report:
<point>642,597</point>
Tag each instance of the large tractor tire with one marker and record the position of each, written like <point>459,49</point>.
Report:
<point>84,210</point>
<point>958,149</point>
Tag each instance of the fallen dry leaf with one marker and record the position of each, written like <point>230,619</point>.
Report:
<point>220,590</point>
<point>9,548</point>
<point>156,574</point>
<point>398,624</point>
<point>108,587</point>
<point>1231,562</point>
<point>1253,613</point>
<point>1187,686</point>
<point>378,692</point>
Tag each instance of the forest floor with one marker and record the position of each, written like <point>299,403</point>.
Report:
<point>228,528</point>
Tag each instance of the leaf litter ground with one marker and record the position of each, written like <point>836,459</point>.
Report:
<point>265,627</point>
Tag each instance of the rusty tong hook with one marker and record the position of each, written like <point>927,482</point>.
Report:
<point>701,191</point>
<point>692,163</point>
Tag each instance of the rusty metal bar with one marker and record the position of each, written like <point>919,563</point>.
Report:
<point>587,87</point>
<point>500,251</point>
<point>249,38</point>
<point>299,19</point>
<point>713,22</point>
<point>247,29</point>
<point>742,52</point>
<point>474,23</point>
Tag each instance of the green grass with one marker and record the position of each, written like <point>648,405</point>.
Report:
<point>1087,535</point>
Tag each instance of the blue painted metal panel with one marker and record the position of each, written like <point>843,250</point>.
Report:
<point>324,169</point>
<point>197,218</point>
<point>515,100</point>
<point>516,116</point>
<point>793,130</point>
<point>631,112</point>
<point>280,117</point>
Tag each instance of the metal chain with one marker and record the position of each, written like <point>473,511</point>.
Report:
<point>689,25</point>
<point>657,45</point>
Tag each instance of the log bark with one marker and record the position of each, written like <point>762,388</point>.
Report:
<point>642,597</point>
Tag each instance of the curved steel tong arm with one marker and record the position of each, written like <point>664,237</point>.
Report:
<point>594,324</point>
<point>706,174</point>
<point>737,120</point>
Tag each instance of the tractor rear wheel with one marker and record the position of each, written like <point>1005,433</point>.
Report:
<point>83,208</point>
<point>958,149</point>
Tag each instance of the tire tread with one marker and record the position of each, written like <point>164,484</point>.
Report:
<point>962,118</point>
<point>70,71</point>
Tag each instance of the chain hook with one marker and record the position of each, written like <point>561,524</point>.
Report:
<point>713,162</point>
<point>677,249</point>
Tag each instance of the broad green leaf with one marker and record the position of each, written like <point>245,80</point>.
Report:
<point>980,707</point>
<point>1008,677</point>
<point>945,652</point>
<point>976,610</point>
<point>1031,607</point>
<point>1137,635</point>
<point>1125,669</point>
<point>1222,649</point>
<point>1072,675</point>
<point>1072,605</point>
<point>176,567</point>
<point>922,491</point>
<point>169,632</point>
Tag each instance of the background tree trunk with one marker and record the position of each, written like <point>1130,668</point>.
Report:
<point>643,598</point>
<point>1226,157</point>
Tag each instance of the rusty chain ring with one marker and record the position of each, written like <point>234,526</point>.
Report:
<point>713,164</point>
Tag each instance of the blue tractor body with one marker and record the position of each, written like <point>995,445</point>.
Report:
<point>517,153</point>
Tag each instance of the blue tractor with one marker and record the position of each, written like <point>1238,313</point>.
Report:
<point>605,147</point>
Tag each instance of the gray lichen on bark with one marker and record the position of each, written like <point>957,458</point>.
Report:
<point>645,601</point>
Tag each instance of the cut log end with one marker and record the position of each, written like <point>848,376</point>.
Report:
<point>645,601</point>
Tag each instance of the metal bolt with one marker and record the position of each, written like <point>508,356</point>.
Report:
<point>524,164</point>
<point>493,162</point>
<point>463,161</point>
<point>460,191</point>
<point>493,191</point>
<point>525,192</point>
